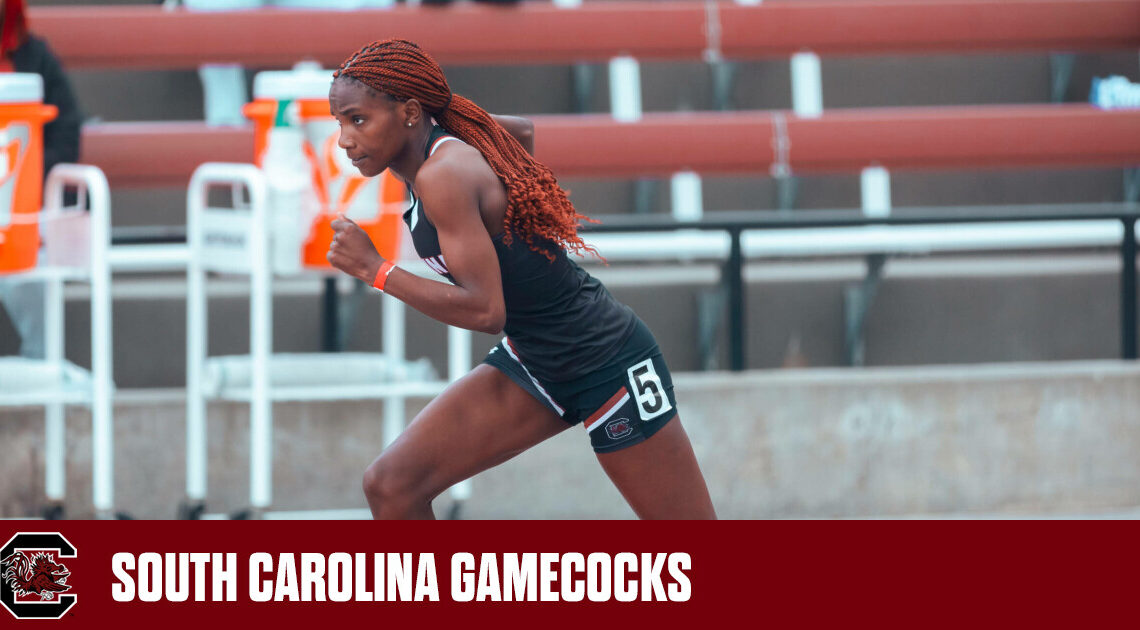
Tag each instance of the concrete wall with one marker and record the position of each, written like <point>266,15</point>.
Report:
<point>1015,439</point>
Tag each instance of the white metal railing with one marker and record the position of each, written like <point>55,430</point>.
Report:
<point>858,240</point>
<point>148,258</point>
<point>76,249</point>
<point>237,241</point>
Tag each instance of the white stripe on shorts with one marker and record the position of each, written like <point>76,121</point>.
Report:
<point>510,351</point>
<point>606,416</point>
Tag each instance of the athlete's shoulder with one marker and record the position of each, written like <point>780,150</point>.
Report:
<point>453,163</point>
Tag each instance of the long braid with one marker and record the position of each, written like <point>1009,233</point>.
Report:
<point>536,205</point>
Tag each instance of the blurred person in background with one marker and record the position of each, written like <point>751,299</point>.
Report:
<point>22,51</point>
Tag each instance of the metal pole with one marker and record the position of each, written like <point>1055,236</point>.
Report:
<point>736,336</point>
<point>55,467</point>
<point>394,332</point>
<point>1128,289</point>
<point>102,429</point>
<point>260,349</point>
<point>458,365</point>
<point>330,317</point>
<point>196,332</point>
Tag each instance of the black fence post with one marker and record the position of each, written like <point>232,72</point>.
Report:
<point>737,339</point>
<point>1128,289</point>
<point>330,317</point>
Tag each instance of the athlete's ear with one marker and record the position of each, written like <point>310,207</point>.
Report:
<point>412,112</point>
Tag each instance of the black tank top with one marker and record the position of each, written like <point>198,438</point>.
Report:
<point>562,321</point>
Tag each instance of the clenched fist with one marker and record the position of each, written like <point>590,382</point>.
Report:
<point>352,251</point>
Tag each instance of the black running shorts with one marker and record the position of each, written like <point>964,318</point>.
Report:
<point>620,404</point>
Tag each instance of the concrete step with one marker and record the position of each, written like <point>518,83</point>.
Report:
<point>1019,440</point>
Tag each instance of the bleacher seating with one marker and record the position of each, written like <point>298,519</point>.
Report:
<point>537,32</point>
<point>712,142</point>
<point>777,143</point>
<point>940,138</point>
<point>753,143</point>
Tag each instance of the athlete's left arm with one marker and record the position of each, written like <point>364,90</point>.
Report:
<point>521,128</point>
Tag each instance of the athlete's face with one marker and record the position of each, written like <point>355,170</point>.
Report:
<point>373,126</point>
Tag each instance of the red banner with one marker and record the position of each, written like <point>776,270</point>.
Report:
<point>293,573</point>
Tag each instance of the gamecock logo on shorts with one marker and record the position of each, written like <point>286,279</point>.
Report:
<point>34,579</point>
<point>619,428</point>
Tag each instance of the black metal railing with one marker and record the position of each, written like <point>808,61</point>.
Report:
<point>736,223</point>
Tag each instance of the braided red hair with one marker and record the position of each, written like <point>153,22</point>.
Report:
<point>536,205</point>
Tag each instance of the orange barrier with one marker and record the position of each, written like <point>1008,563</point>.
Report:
<point>22,119</point>
<point>945,138</point>
<point>336,187</point>
<point>149,37</point>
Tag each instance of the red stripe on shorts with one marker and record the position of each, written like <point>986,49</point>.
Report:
<point>606,408</point>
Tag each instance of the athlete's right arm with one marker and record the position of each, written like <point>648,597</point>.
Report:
<point>448,191</point>
<point>521,128</point>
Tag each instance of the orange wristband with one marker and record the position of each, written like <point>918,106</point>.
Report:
<point>382,274</point>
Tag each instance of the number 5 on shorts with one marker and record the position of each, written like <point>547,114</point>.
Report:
<point>648,391</point>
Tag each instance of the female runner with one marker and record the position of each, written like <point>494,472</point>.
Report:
<point>493,221</point>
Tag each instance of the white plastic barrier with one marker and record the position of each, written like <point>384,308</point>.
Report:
<point>76,250</point>
<point>236,241</point>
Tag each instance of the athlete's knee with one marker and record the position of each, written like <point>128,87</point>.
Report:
<point>391,480</point>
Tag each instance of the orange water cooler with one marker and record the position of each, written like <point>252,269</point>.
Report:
<point>290,112</point>
<point>22,118</point>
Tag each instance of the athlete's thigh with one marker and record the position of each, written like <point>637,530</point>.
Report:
<point>660,477</point>
<point>479,421</point>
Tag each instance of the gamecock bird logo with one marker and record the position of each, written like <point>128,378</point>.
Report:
<point>38,575</point>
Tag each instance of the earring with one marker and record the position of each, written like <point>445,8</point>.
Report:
<point>409,124</point>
